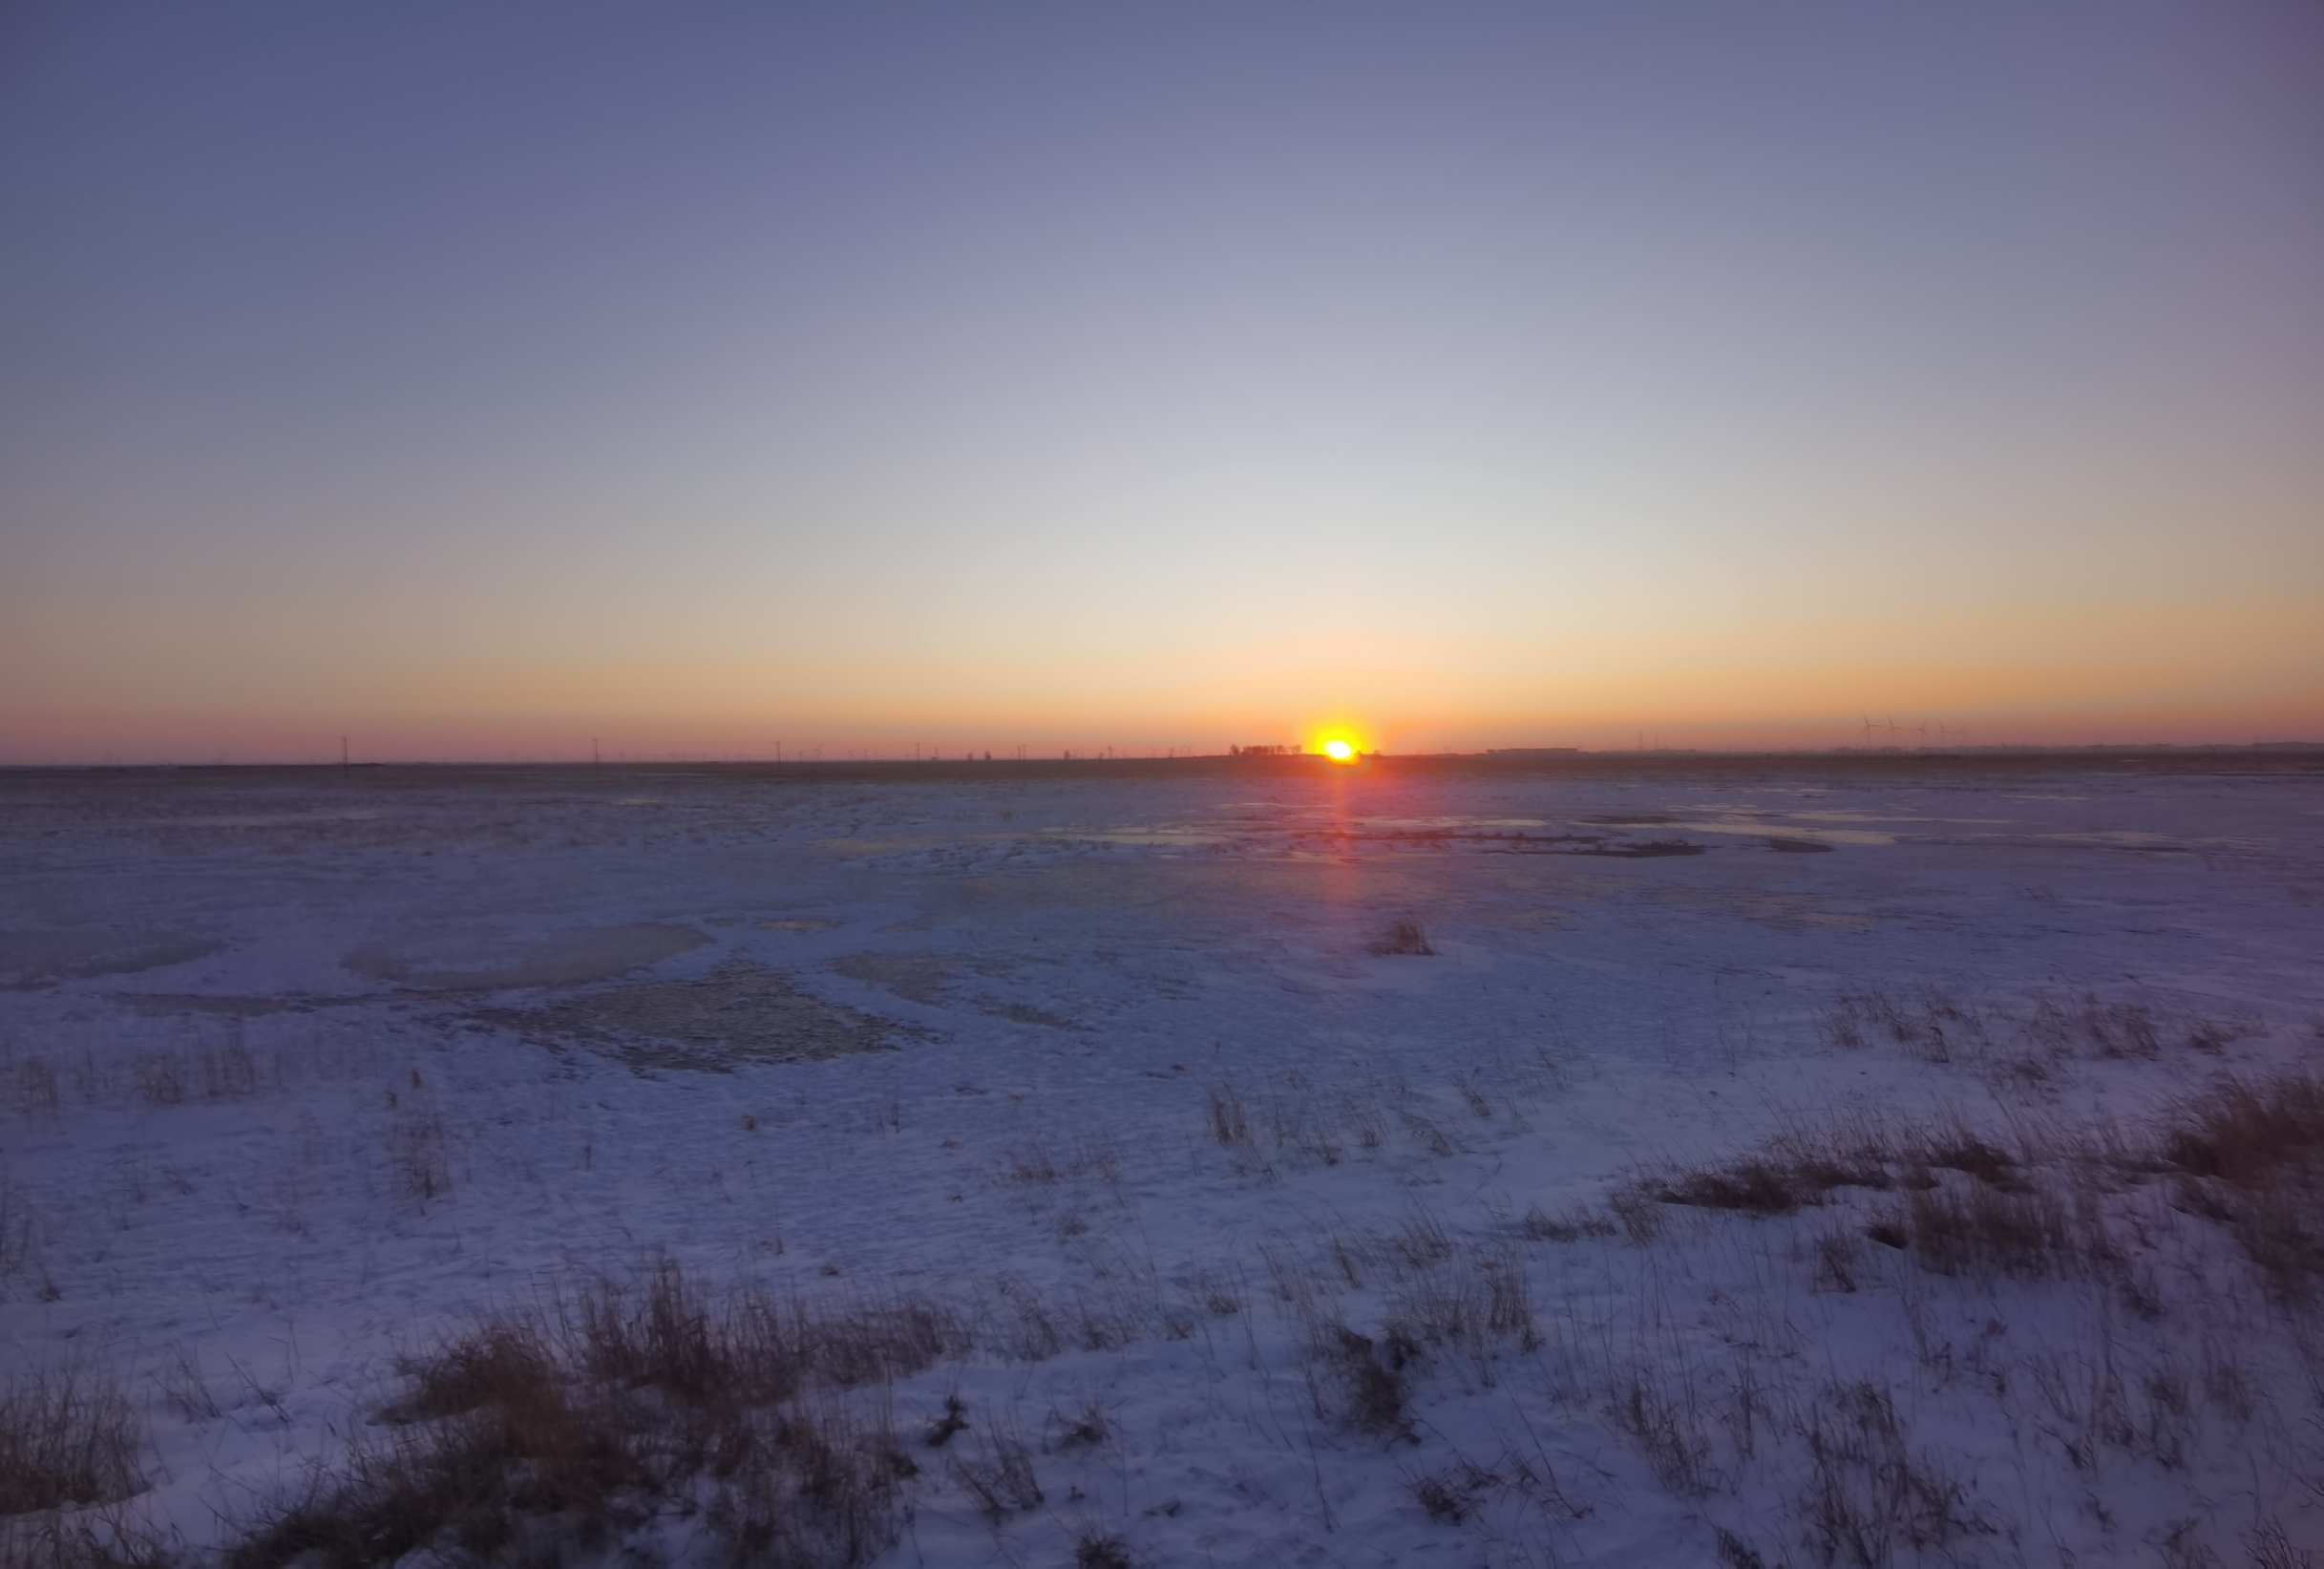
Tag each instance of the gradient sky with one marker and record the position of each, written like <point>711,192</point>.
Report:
<point>479,379</point>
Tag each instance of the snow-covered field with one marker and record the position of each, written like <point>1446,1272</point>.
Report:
<point>1827,1196</point>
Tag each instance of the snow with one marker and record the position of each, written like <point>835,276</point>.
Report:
<point>341,1060</point>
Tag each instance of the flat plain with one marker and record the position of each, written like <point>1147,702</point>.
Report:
<point>1857,1160</point>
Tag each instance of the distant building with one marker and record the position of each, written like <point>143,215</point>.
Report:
<point>1533,752</point>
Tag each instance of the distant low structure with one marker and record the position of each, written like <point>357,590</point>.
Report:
<point>1533,752</point>
<point>1262,752</point>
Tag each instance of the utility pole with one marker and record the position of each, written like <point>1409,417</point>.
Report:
<point>343,753</point>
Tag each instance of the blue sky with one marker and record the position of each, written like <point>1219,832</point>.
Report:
<point>483,378</point>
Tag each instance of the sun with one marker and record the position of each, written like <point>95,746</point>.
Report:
<point>1339,751</point>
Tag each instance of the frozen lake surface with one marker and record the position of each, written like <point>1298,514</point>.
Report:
<point>1271,1237</point>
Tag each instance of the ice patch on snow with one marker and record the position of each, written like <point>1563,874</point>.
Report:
<point>570,959</point>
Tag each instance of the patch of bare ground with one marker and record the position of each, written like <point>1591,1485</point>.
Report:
<point>738,1014</point>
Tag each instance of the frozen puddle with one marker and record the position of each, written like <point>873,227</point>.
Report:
<point>439,963</point>
<point>738,1014</point>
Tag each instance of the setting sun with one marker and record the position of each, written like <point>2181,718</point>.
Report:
<point>1339,751</point>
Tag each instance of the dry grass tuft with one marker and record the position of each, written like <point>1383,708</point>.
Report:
<point>506,1363</point>
<point>1568,1225</point>
<point>1872,1497</point>
<point>98,1539</point>
<point>1404,936</point>
<point>1085,1428</point>
<point>1795,1171</point>
<point>1101,1553</point>
<point>1229,1124</point>
<point>67,1439</point>
<point>161,1078</point>
<point>1934,1026</point>
<point>1981,1231</point>
<point>1451,1495</point>
<point>533,1437</point>
<point>19,1232</point>
<point>37,1087</point>
<point>2249,1136</point>
<point>1755,1187</point>
<point>2251,1157</point>
<point>416,1151</point>
<point>2119,1032</point>
<point>2271,1547</point>
<point>1668,1431</point>
<point>999,1475</point>
<point>1358,1383</point>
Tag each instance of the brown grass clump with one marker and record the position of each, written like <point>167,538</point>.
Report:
<point>2119,1032</point>
<point>533,1436</point>
<point>1404,935</point>
<point>1873,1500</point>
<point>1358,1381</point>
<point>505,1362</point>
<point>1668,1431</point>
<point>1229,1124</point>
<point>1982,1231</point>
<point>1936,1028</point>
<point>662,1334</point>
<point>2246,1155</point>
<point>2251,1157</point>
<point>1925,1021</point>
<point>1755,1187</point>
<point>1796,1170</point>
<point>1569,1225</point>
<point>999,1475</point>
<point>521,1465</point>
<point>81,1539</point>
<point>37,1087</point>
<point>1452,1494</point>
<point>66,1439</point>
<point>1101,1553</point>
<point>415,1147</point>
<point>2249,1136</point>
<point>161,1078</point>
